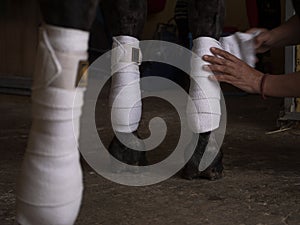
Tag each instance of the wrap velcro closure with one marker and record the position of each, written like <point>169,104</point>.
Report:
<point>126,54</point>
<point>67,39</point>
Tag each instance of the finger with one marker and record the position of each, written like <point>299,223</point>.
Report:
<point>215,60</point>
<point>219,74</point>
<point>213,77</point>
<point>256,31</point>
<point>262,50</point>
<point>222,78</point>
<point>253,30</point>
<point>219,69</point>
<point>224,54</point>
<point>206,67</point>
<point>261,39</point>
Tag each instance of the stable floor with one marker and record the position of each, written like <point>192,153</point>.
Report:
<point>261,183</point>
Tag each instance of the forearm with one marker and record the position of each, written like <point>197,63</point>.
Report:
<point>288,33</point>
<point>282,85</point>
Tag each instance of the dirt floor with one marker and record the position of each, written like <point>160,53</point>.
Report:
<point>261,183</point>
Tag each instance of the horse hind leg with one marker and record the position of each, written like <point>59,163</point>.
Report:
<point>125,20</point>
<point>206,19</point>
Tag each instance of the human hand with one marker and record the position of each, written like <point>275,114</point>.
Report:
<point>264,39</point>
<point>228,68</point>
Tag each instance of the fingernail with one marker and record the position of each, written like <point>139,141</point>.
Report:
<point>212,77</point>
<point>205,57</point>
<point>206,67</point>
<point>212,49</point>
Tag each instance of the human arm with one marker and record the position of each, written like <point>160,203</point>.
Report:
<point>228,68</point>
<point>286,34</point>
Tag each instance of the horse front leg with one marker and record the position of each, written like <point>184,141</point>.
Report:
<point>125,21</point>
<point>206,18</point>
<point>50,184</point>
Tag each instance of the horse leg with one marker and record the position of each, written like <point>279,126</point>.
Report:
<point>125,20</point>
<point>50,184</point>
<point>206,18</point>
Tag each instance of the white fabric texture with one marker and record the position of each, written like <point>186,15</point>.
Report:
<point>50,184</point>
<point>241,45</point>
<point>60,50</point>
<point>125,93</point>
<point>204,112</point>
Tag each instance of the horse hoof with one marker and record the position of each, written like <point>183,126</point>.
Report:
<point>126,155</point>
<point>214,172</point>
<point>191,169</point>
<point>189,174</point>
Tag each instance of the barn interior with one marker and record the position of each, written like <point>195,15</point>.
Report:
<point>261,182</point>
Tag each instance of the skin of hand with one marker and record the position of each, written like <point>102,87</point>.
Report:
<point>228,68</point>
<point>263,41</point>
<point>286,34</point>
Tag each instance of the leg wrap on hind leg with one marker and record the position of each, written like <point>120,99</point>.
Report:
<point>50,184</point>
<point>205,93</point>
<point>204,112</point>
<point>125,95</point>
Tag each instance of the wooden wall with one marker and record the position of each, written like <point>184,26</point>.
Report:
<point>19,20</point>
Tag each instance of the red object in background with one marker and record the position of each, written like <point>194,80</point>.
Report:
<point>252,12</point>
<point>156,6</point>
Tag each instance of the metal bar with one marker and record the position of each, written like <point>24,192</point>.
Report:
<point>290,116</point>
<point>290,65</point>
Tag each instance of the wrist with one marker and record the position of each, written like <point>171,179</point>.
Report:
<point>262,85</point>
<point>275,37</point>
<point>257,82</point>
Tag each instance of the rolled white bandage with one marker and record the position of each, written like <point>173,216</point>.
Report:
<point>241,45</point>
<point>50,184</point>
<point>125,94</point>
<point>204,112</point>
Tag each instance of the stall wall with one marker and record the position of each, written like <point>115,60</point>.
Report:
<point>19,22</point>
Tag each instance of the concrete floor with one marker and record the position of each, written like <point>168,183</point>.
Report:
<point>261,183</point>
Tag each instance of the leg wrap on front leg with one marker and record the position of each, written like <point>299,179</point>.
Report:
<point>125,20</point>
<point>50,184</point>
<point>125,96</point>
<point>125,102</point>
<point>206,19</point>
<point>51,180</point>
<point>205,113</point>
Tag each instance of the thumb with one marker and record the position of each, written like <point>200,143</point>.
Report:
<point>253,30</point>
<point>261,39</point>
